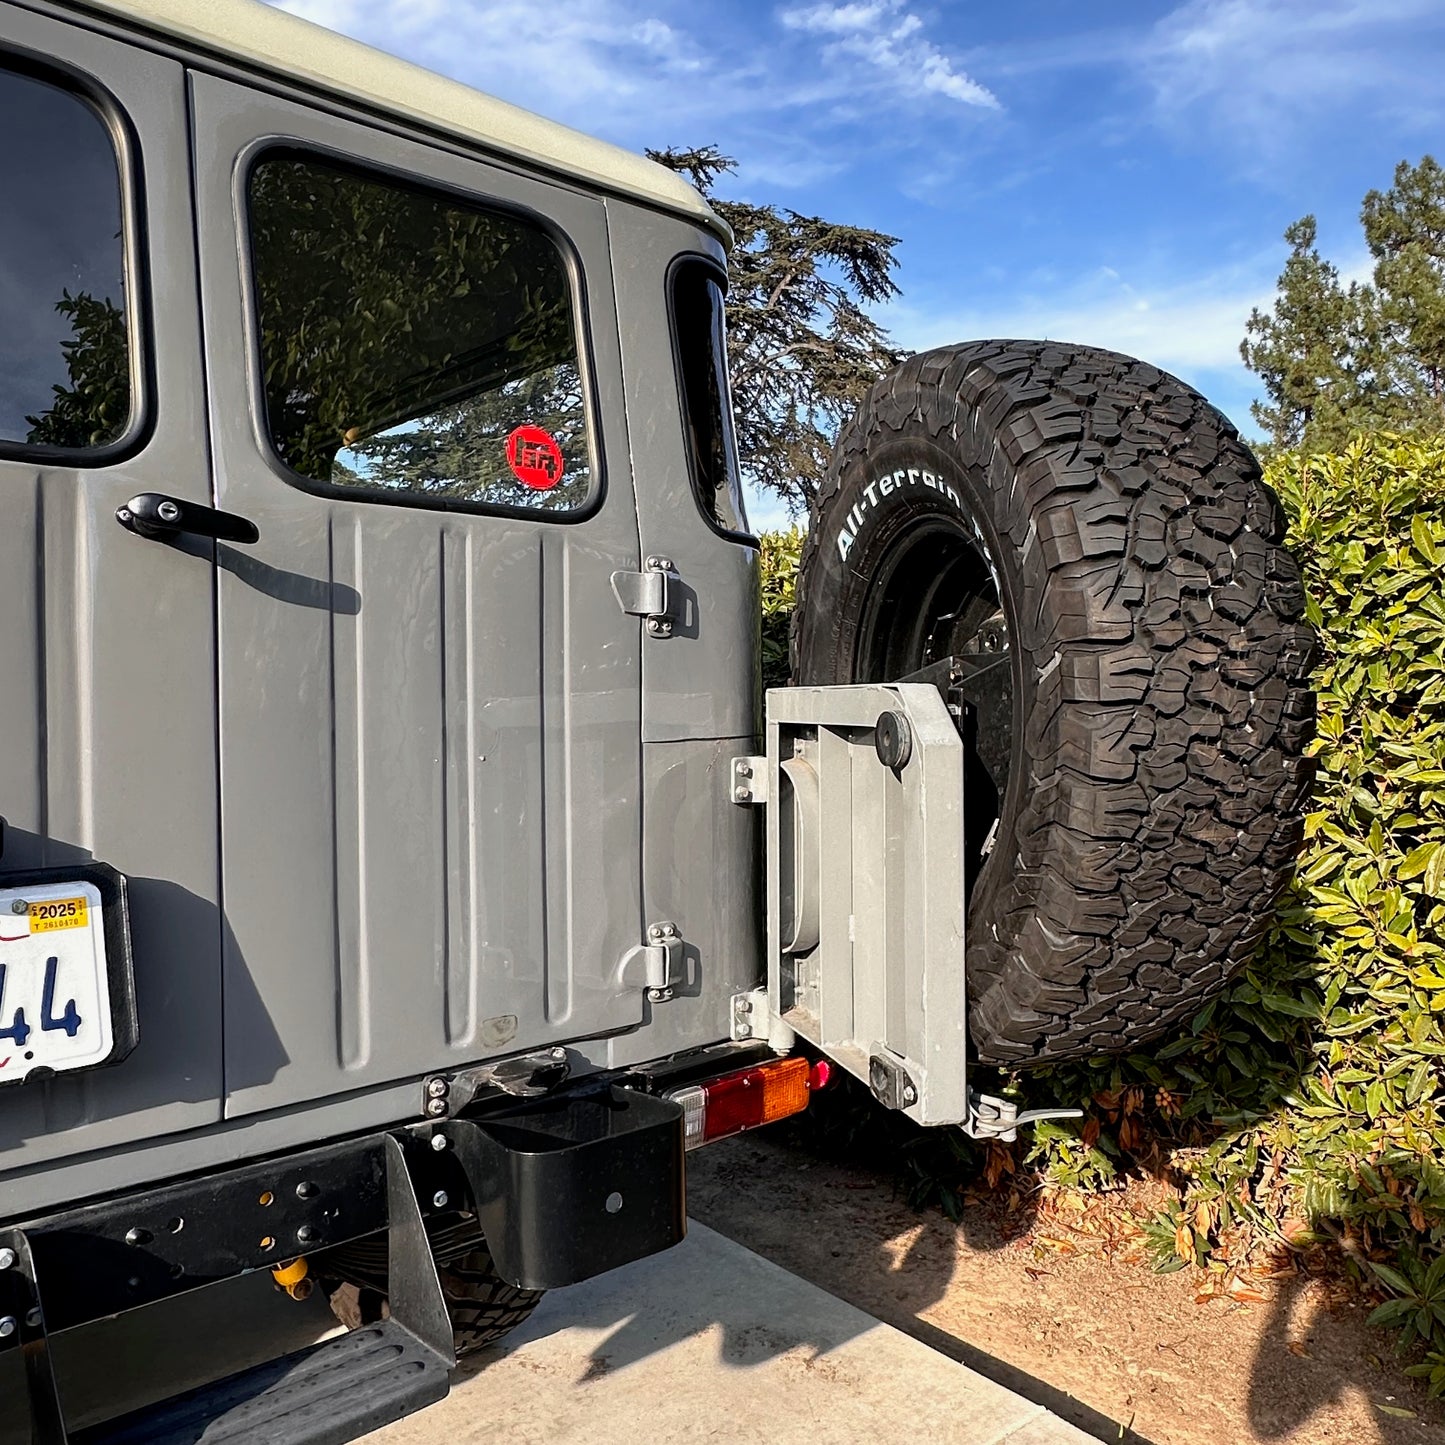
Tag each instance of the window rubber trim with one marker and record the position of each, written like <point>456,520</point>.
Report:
<point>257,151</point>
<point>135,258</point>
<point>706,263</point>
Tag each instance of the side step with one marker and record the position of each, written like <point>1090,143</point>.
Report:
<point>326,1395</point>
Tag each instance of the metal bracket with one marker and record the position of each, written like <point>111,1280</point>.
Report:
<point>657,965</point>
<point>750,780</point>
<point>990,1117</point>
<point>649,594</point>
<point>22,1323</point>
<point>753,1018</point>
<point>891,1082</point>
<point>523,1077</point>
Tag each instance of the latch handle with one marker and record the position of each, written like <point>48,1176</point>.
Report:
<point>990,1117</point>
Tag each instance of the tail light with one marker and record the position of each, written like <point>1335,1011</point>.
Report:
<point>747,1098</point>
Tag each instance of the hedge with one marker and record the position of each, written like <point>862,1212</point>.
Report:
<point>1304,1107</point>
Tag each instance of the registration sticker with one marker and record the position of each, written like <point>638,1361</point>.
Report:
<point>59,913</point>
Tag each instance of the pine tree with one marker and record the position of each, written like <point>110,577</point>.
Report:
<point>802,347</point>
<point>1337,360</point>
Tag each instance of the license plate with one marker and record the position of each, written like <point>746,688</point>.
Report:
<point>55,979</point>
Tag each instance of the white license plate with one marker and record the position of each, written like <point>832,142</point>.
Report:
<point>54,982</point>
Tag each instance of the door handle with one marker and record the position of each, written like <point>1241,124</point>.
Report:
<point>154,515</point>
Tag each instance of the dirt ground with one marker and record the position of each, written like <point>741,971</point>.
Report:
<point>1121,1351</point>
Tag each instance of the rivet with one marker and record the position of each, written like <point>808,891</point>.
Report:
<point>137,1236</point>
<point>7,1327</point>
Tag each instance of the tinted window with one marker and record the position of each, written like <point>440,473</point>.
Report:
<point>64,363</point>
<point>698,320</point>
<point>414,346</point>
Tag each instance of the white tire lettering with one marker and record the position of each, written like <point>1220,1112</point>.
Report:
<point>883,487</point>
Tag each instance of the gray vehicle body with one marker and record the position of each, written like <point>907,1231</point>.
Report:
<point>397,789</point>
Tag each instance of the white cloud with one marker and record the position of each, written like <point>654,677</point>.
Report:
<point>1192,328</point>
<point>888,40</point>
<point>1263,71</point>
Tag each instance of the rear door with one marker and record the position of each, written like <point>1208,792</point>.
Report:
<point>107,664</point>
<point>429,714</point>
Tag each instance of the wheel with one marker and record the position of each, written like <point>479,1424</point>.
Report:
<point>482,1305</point>
<point>1082,550</point>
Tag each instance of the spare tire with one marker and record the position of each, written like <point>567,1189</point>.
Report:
<point>1095,547</point>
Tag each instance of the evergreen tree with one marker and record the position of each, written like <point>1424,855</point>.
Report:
<point>802,348</point>
<point>1336,360</point>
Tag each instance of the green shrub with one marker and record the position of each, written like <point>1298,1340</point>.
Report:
<point>780,554</point>
<point>1306,1102</point>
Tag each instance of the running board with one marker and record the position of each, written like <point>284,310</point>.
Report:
<point>329,1394</point>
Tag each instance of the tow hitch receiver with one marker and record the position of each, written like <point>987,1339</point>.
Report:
<point>866,882</point>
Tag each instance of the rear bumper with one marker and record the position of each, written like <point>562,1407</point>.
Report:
<point>564,1187</point>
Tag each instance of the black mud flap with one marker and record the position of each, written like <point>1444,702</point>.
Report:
<point>568,1188</point>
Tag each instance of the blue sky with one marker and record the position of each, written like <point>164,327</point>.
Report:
<point>1117,173</point>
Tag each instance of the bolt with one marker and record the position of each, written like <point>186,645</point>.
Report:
<point>137,1236</point>
<point>439,1142</point>
<point>655,931</point>
<point>168,512</point>
<point>7,1327</point>
<point>910,1094</point>
<point>33,1317</point>
<point>745,770</point>
<point>20,906</point>
<point>436,1107</point>
<point>742,1006</point>
<point>559,1054</point>
<point>669,931</point>
<point>659,995</point>
<point>124,516</point>
<point>741,794</point>
<point>654,626</point>
<point>437,1088</point>
<point>440,1199</point>
<point>7,1258</point>
<point>654,563</point>
<point>306,1235</point>
<point>664,564</point>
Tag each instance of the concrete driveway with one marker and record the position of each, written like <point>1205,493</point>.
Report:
<point>705,1342</point>
<point>711,1342</point>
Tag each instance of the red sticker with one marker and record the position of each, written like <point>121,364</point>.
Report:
<point>535,458</point>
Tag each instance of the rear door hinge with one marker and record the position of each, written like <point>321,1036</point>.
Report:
<point>750,780</point>
<point>657,965</point>
<point>651,594</point>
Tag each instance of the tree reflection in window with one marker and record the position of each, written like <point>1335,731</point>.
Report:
<point>405,335</point>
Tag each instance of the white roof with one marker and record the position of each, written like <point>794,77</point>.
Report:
<point>284,44</point>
